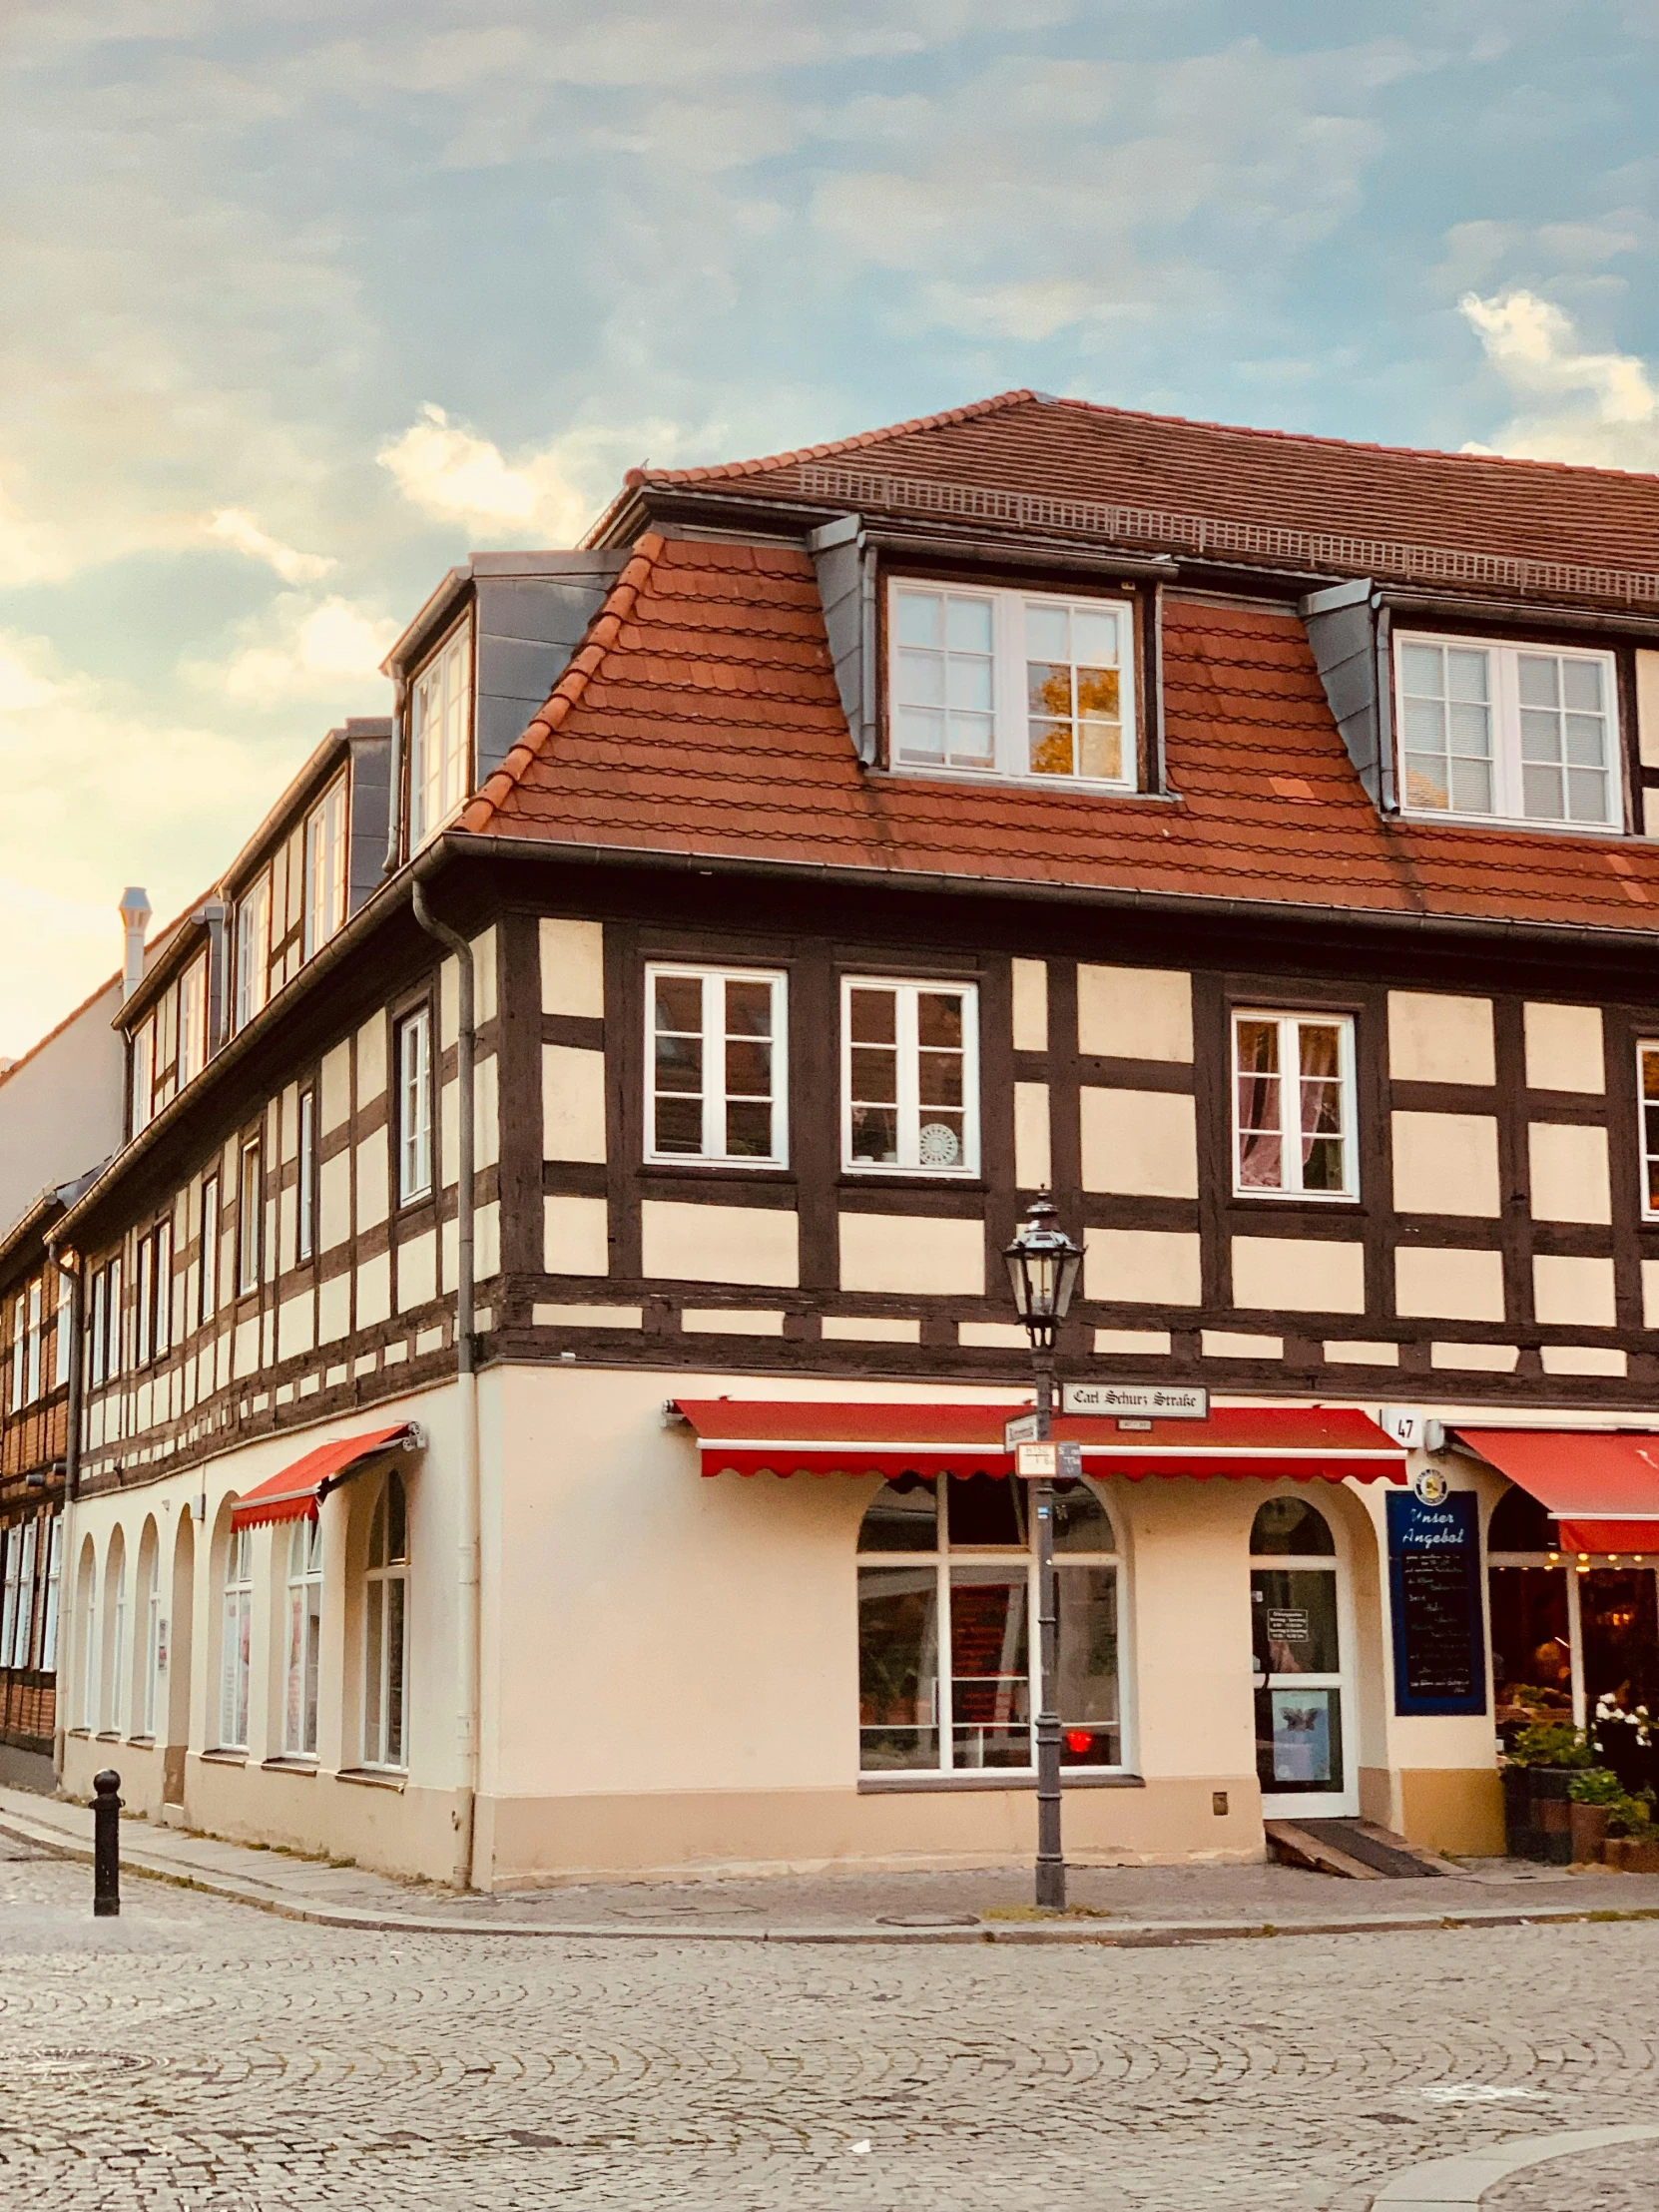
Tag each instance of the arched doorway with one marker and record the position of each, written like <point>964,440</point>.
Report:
<point>175,1638</point>
<point>1302,1640</point>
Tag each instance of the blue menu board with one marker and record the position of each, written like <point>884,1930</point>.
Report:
<point>1438,1618</point>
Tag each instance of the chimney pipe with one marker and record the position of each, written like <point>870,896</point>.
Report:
<point>135,920</point>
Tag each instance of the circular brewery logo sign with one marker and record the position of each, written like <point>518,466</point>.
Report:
<point>1430,1486</point>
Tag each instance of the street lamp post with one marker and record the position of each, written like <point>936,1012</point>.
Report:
<point>1042,1267</point>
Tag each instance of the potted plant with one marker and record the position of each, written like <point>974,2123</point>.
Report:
<point>1593,1794</point>
<point>1632,1835</point>
<point>1537,1810</point>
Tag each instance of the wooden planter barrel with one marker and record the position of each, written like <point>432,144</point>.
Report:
<point>1537,1814</point>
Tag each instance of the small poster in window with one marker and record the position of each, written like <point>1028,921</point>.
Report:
<point>1301,1736</point>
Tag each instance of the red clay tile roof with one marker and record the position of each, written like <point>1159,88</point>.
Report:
<point>701,718</point>
<point>1444,517</point>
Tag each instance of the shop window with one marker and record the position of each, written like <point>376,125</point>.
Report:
<point>1292,1526</point>
<point>947,1601</point>
<point>716,1066</point>
<point>385,1659</point>
<point>304,1638</point>
<point>236,1641</point>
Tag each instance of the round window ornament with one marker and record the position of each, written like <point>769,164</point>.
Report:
<point>1429,1486</point>
<point>938,1145</point>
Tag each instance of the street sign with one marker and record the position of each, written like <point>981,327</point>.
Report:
<point>1024,1429</point>
<point>1154,1400</point>
<point>1049,1462</point>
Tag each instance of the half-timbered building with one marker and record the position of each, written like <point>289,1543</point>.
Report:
<point>546,1344</point>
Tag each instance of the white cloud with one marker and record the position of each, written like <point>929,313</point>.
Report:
<point>332,652</point>
<point>21,685</point>
<point>238,527</point>
<point>547,497</point>
<point>1572,403</point>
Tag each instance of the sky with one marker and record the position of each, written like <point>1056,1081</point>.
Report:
<point>302,300</point>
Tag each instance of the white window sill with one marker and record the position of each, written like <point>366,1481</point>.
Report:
<point>695,1160</point>
<point>375,1777</point>
<point>878,1169</point>
<point>1436,818</point>
<point>991,779</point>
<point>225,1755</point>
<point>1297,1198</point>
<point>288,1763</point>
<point>1010,1778</point>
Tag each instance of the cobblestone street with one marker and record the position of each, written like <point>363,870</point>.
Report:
<point>196,2052</point>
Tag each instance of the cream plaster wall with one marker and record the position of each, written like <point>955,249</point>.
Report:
<point>1446,1164</point>
<point>1030,994</point>
<point>417,1271</point>
<point>1564,1048</point>
<point>1139,1143</point>
<point>1448,1284</point>
<point>1032,1170</point>
<point>336,1101</point>
<point>371,1060</point>
<point>911,1255</point>
<point>572,967</point>
<point>720,1244</point>
<point>374,1290</point>
<point>1129,1013</point>
<point>1570,1172</point>
<point>374,1181</point>
<point>1143,1267</point>
<point>875,1328</point>
<point>1578,1292</point>
<point>575,1236</point>
<point>1436,1038</point>
<point>1299,1275</point>
<point>571,1103</point>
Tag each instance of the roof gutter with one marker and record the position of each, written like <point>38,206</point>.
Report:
<point>1544,935</point>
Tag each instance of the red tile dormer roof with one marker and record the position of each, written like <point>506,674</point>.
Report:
<point>702,720</point>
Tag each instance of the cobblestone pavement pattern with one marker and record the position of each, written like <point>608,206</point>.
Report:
<point>1624,2180</point>
<point>195,2053</point>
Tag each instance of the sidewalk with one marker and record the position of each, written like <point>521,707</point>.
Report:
<point>1109,1905</point>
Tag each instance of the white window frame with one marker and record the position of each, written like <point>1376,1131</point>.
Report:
<point>304,1639</point>
<point>249,1215</point>
<point>236,1652</point>
<point>36,1333</point>
<point>1010,709</point>
<point>440,695</point>
<point>144,1304</point>
<point>193,1020</point>
<point>305,1205</point>
<point>116,1682</point>
<point>907,992</point>
<point>144,1074</point>
<point>207,1251</point>
<point>378,1749</point>
<point>20,1329</point>
<point>1505,655</point>
<point>1644,1047</point>
<point>713,982</point>
<point>414,1104</point>
<point>325,847</point>
<point>49,1614</point>
<point>62,1340</point>
<point>254,950</point>
<point>11,1589</point>
<point>1289,1025</point>
<point>23,1633</point>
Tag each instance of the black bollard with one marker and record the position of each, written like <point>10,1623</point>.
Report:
<point>105,1845</point>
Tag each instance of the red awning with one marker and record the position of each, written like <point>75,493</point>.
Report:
<point>807,1436</point>
<point>1602,1486</point>
<point>296,1494</point>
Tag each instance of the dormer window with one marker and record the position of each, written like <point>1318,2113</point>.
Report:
<point>253,950</point>
<point>441,734</point>
<point>1508,732</point>
<point>1012,684</point>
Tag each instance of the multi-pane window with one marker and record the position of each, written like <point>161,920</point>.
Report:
<point>385,1645</point>
<point>193,1020</point>
<point>32,1351</point>
<point>304,1638</point>
<point>250,1217</point>
<point>49,1615</point>
<point>1647,1060</point>
<point>414,1105</point>
<point>324,867</point>
<point>1293,1111</point>
<point>62,1339</point>
<point>20,1327</point>
<point>715,1080</point>
<point>947,1601</point>
<point>169,1045</point>
<point>304,1227</point>
<point>152,1317</point>
<point>144,1075</point>
<point>104,1324</point>
<point>910,1076</point>
<point>115,1678</point>
<point>208,1264</point>
<point>253,950</point>
<point>17,1590</point>
<point>441,734</point>
<point>1012,684</point>
<point>236,1648</point>
<point>1509,732</point>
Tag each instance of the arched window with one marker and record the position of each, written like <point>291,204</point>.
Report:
<point>1291,1526</point>
<point>91,1637</point>
<point>304,1638</point>
<point>385,1656</point>
<point>150,1629</point>
<point>1520,1523</point>
<point>948,1595</point>
<point>115,1664</point>
<point>236,1651</point>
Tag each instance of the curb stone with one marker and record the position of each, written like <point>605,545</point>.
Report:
<point>1456,2184</point>
<point>1099,1934</point>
